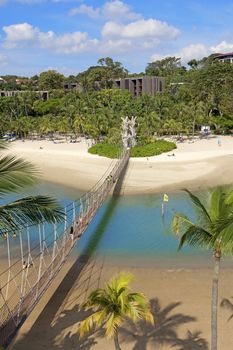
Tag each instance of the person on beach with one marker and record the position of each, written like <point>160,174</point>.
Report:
<point>219,142</point>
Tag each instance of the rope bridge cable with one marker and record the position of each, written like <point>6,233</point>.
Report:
<point>28,276</point>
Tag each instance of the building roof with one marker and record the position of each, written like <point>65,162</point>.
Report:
<point>222,55</point>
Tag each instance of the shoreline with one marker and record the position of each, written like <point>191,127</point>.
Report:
<point>197,166</point>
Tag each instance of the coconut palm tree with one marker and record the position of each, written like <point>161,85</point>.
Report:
<point>213,230</point>
<point>15,174</point>
<point>112,305</point>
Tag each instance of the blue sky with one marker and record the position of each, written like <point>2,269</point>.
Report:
<point>70,35</point>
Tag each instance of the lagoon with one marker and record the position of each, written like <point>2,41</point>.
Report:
<point>130,230</point>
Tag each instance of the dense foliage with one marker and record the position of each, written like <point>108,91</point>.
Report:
<point>202,94</point>
<point>106,150</point>
<point>151,149</point>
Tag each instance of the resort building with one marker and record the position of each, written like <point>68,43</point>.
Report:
<point>72,87</point>
<point>225,57</point>
<point>44,95</point>
<point>141,85</point>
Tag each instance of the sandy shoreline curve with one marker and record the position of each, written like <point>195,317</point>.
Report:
<point>196,165</point>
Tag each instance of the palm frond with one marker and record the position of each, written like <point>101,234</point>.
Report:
<point>30,210</point>
<point>218,206</point>
<point>229,198</point>
<point>112,324</point>
<point>120,282</point>
<point>86,325</point>
<point>96,298</point>
<point>196,236</point>
<point>15,174</point>
<point>198,204</point>
<point>222,223</point>
<point>180,222</point>
<point>138,308</point>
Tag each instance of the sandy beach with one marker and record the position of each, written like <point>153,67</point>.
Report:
<point>196,165</point>
<point>180,301</point>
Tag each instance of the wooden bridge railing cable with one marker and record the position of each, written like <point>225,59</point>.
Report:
<point>30,272</point>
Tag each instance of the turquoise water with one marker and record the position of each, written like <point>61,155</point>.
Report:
<point>130,228</point>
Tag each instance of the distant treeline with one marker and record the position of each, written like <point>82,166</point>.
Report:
<point>201,94</point>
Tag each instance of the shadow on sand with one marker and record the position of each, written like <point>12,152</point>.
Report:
<point>164,333</point>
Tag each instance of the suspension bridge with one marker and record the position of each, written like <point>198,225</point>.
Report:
<point>35,254</point>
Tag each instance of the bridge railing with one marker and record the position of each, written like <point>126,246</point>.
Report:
<point>26,279</point>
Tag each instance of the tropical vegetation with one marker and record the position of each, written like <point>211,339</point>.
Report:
<point>106,150</point>
<point>112,305</point>
<point>212,230</point>
<point>152,149</point>
<point>196,95</point>
<point>15,175</point>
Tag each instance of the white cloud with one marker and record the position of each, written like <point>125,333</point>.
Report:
<point>86,10</point>
<point>187,53</point>
<point>22,32</point>
<point>116,46</point>
<point>118,10</point>
<point>115,38</point>
<point>2,2</point>
<point>25,35</point>
<point>222,47</point>
<point>150,28</point>
<point>196,51</point>
<point>111,10</point>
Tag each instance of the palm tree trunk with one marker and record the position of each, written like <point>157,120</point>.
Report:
<point>116,341</point>
<point>214,306</point>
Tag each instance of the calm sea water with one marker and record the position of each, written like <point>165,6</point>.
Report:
<point>130,229</point>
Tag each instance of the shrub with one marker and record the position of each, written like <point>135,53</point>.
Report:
<point>151,149</point>
<point>106,150</point>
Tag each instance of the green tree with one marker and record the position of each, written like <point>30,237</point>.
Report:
<point>15,174</point>
<point>112,305</point>
<point>165,67</point>
<point>212,231</point>
<point>193,63</point>
<point>50,80</point>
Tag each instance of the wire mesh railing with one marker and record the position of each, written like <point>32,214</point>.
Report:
<point>42,251</point>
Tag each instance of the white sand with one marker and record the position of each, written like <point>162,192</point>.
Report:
<point>196,165</point>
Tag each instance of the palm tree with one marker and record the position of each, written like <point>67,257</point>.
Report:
<point>112,305</point>
<point>212,231</point>
<point>15,174</point>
